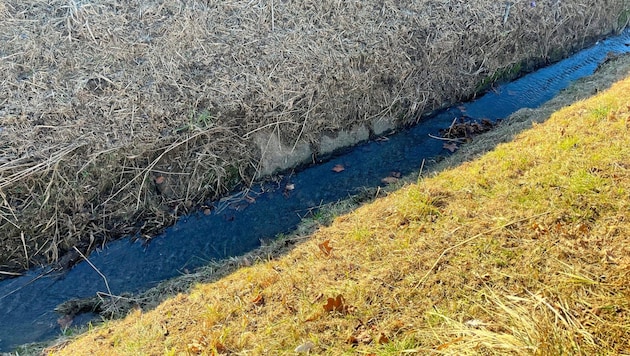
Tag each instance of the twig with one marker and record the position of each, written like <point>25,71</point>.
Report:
<point>273,20</point>
<point>421,169</point>
<point>457,140</point>
<point>25,250</point>
<point>508,5</point>
<point>94,268</point>
<point>246,136</point>
<point>470,239</point>
<point>450,128</point>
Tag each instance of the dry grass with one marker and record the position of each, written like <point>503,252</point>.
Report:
<point>101,98</point>
<point>521,251</point>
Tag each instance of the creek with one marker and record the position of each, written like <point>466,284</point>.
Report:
<point>237,225</point>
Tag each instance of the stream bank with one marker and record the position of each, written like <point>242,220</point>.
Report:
<point>237,225</point>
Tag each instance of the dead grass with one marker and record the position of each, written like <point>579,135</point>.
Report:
<point>99,98</point>
<point>521,251</point>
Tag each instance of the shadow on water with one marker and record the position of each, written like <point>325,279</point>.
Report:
<point>237,225</point>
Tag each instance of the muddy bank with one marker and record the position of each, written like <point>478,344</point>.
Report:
<point>116,119</point>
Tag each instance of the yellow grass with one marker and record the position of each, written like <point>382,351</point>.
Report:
<point>525,250</point>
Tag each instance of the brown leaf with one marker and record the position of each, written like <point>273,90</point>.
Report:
<point>159,180</point>
<point>259,300</point>
<point>383,339</point>
<point>451,146</point>
<point>65,321</point>
<point>338,168</point>
<point>337,304</point>
<point>325,248</point>
<point>249,199</point>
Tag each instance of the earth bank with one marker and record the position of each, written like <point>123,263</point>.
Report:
<point>116,119</point>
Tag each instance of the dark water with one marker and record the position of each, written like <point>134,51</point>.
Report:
<point>236,226</point>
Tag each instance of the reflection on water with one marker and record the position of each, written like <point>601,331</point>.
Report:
<point>238,225</point>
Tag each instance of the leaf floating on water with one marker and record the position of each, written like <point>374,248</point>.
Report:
<point>389,180</point>
<point>305,347</point>
<point>207,211</point>
<point>65,322</point>
<point>338,168</point>
<point>451,146</point>
<point>249,199</point>
<point>289,187</point>
<point>325,247</point>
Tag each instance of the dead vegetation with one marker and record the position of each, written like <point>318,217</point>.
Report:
<point>101,98</point>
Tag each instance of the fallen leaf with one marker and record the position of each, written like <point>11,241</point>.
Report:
<point>338,168</point>
<point>452,146</point>
<point>249,199</point>
<point>383,339</point>
<point>259,300</point>
<point>65,321</point>
<point>325,247</point>
<point>305,347</point>
<point>159,180</point>
<point>389,180</point>
<point>207,211</point>
<point>352,340</point>
<point>337,304</point>
<point>289,187</point>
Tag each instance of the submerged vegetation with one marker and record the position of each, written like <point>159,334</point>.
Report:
<point>522,250</point>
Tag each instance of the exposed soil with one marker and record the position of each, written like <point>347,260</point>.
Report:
<point>116,119</point>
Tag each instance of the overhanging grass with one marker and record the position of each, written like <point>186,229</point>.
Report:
<point>522,251</point>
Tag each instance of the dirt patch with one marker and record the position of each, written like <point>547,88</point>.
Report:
<point>101,101</point>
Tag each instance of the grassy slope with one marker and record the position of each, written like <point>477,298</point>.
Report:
<point>524,250</point>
